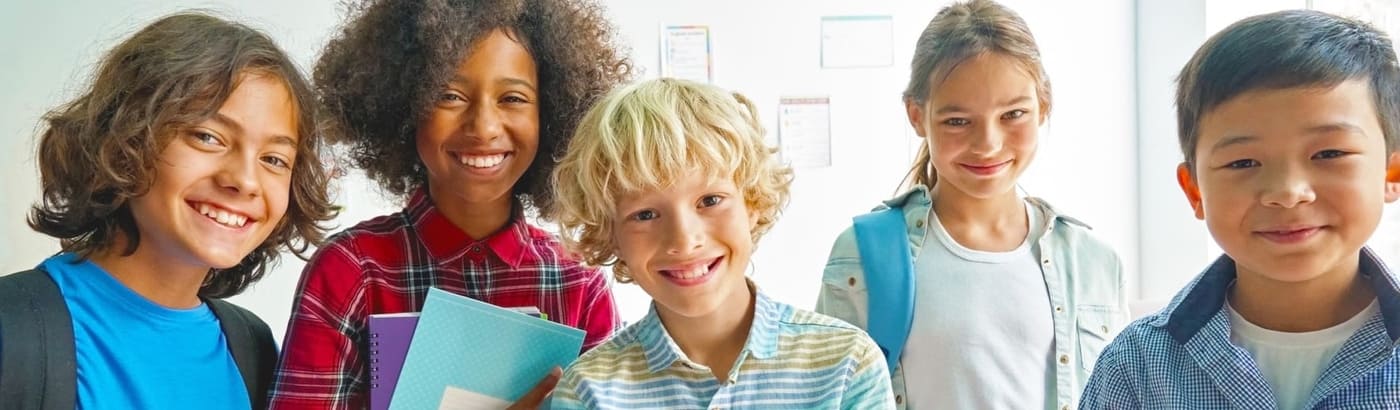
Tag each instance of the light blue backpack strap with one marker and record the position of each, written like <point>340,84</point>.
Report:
<point>883,243</point>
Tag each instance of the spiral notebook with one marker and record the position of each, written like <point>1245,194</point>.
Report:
<point>389,337</point>
<point>464,353</point>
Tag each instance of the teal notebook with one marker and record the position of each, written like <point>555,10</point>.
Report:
<point>468,354</point>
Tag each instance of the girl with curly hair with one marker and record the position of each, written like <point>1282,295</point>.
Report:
<point>459,108</point>
<point>172,182</point>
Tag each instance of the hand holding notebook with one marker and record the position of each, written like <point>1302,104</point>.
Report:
<point>466,354</point>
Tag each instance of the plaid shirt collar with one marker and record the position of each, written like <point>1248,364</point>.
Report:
<point>1191,311</point>
<point>446,241</point>
<point>662,351</point>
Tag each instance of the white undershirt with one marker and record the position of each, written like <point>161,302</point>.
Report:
<point>983,336</point>
<point>1292,362</point>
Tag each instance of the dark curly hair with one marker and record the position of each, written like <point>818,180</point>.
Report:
<point>378,76</point>
<point>99,151</point>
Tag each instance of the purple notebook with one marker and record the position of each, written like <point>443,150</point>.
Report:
<point>389,336</point>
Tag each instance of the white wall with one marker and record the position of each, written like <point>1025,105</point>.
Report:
<point>1172,241</point>
<point>1087,164</point>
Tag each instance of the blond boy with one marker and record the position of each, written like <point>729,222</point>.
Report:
<point>670,183</point>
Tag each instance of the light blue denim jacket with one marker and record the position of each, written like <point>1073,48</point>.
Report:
<point>1083,277</point>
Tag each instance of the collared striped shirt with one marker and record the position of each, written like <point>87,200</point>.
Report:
<point>1182,357</point>
<point>792,359</point>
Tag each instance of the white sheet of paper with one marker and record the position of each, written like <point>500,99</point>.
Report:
<point>804,131</point>
<point>685,53</point>
<point>857,41</point>
<point>460,399</point>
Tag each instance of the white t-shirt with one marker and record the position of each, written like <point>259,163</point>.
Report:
<point>983,336</point>
<point>1292,362</point>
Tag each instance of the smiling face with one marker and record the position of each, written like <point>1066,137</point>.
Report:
<point>981,124</point>
<point>482,132</point>
<point>1291,181</point>
<point>688,245</point>
<point>222,186</point>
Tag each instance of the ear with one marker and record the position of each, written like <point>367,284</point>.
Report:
<point>916,116</point>
<point>1188,187</point>
<point>1392,178</point>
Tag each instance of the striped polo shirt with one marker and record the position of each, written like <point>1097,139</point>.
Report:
<point>792,359</point>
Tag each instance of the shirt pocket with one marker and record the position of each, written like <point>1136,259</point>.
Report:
<point>1095,325</point>
<point>844,295</point>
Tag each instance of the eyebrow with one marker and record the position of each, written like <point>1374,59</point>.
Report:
<point>225,121</point>
<point>1010,102</point>
<point>1231,141</point>
<point>506,81</point>
<point>1334,127</point>
<point>1312,130</point>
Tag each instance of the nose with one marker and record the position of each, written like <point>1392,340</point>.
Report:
<point>483,122</point>
<point>1286,187</point>
<point>238,174</point>
<point>988,139</point>
<point>686,234</point>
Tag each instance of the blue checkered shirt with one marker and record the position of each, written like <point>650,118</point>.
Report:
<point>1182,357</point>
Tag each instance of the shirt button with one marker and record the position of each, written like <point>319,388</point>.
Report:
<point>1046,261</point>
<point>1064,359</point>
<point>1058,309</point>
<point>476,249</point>
<point>1104,329</point>
<point>898,399</point>
<point>919,223</point>
<point>851,281</point>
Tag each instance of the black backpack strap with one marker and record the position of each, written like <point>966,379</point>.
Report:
<point>254,351</point>
<point>38,369</point>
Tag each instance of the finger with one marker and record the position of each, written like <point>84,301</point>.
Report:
<point>532,399</point>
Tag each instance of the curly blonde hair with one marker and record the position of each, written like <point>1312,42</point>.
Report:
<point>646,136</point>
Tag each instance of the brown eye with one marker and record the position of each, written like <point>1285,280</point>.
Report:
<point>1242,164</point>
<point>1329,154</point>
<point>205,138</point>
<point>276,162</point>
<point>451,97</point>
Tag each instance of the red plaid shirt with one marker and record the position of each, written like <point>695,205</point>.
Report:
<point>387,264</point>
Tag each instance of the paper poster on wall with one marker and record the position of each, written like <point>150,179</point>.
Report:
<point>804,131</point>
<point>857,41</point>
<point>685,53</point>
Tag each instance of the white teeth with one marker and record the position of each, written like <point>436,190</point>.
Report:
<point>223,217</point>
<point>485,161</point>
<point>692,273</point>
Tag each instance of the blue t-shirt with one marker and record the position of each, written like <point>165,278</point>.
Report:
<point>135,354</point>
